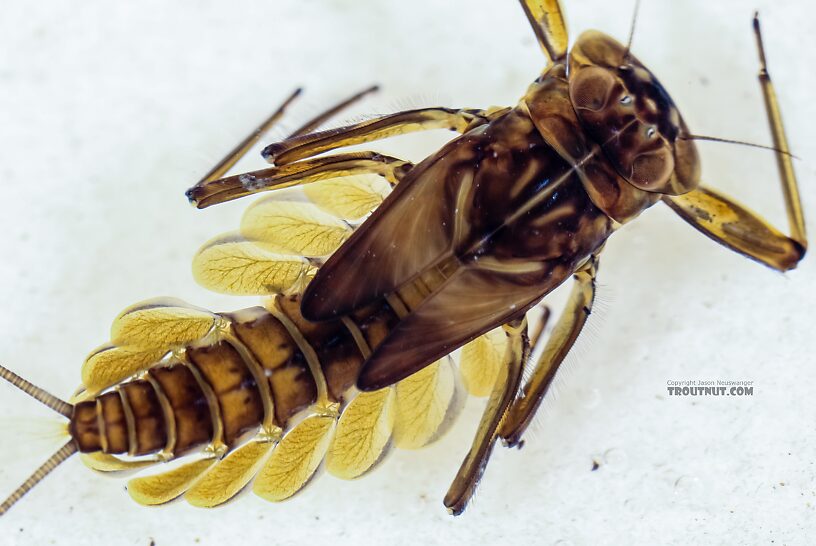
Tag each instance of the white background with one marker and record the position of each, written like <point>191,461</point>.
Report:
<point>111,110</point>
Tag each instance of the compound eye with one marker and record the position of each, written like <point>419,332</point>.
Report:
<point>590,88</point>
<point>652,170</point>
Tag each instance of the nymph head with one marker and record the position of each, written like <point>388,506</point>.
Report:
<point>626,110</point>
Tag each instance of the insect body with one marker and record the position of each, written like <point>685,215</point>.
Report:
<point>468,241</point>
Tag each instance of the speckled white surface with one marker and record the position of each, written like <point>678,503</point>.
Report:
<point>111,110</point>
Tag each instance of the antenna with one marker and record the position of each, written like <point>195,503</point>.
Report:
<point>740,142</point>
<point>631,30</point>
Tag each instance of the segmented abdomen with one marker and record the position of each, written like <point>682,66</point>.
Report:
<point>254,371</point>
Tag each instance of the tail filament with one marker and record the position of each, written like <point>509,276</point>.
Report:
<point>56,459</point>
<point>56,404</point>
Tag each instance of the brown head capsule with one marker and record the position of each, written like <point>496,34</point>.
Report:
<point>626,110</point>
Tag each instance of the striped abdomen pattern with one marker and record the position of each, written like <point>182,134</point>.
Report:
<point>255,373</point>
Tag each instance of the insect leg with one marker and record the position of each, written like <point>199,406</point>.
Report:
<point>212,192</point>
<point>738,228</point>
<point>464,485</point>
<point>240,150</point>
<point>547,19</point>
<point>304,146</point>
<point>564,334</point>
<point>545,313</point>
